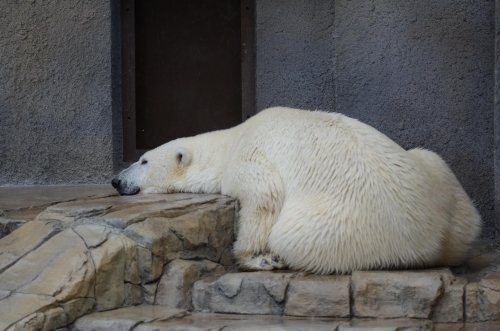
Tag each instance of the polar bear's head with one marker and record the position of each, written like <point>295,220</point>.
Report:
<point>162,170</point>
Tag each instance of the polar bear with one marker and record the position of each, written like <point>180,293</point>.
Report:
<point>319,192</point>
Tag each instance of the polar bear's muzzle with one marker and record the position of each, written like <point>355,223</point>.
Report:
<point>123,188</point>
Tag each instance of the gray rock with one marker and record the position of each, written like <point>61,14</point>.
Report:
<point>205,232</point>
<point>174,288</point>
<point>450,307</point>
<point>125,318</point>
<point>77,307</point>
<point>484,326</point>
<point>60,268</point>
<point>17,307</point>
<point>395,294</point>
<point>483,299</point>
<point>54,318</point>
<point>149,292</point>
<point>133,295</point>
<point>24,240</point>
<point>326,296</point>
<point>93,235</point>
<point>110,261</point>
<point>31,322</point>
<point>8,225</point>
<point>150,266</point>
<point>157,205</point>
<point>210,322</point>
<point>386,325</point>
<point>242,293</point>
<point>76,253</point>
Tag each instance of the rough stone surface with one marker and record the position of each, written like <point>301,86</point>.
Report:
<point>70,261</point>
<point>295,54</point>
<point>395,294</point>
<point>386,325</point>
<point>21,242</point>
<point>77,307</point>
<point>75,261</point>
<point>121,319</point>
<point>496,117</point>
<point>56,63</point>
<point>210,322</point>
<point>326,296</point>
<point>8,225</point>
<point>242,293</point>
<point>450,307</point>
<point>17,306</point>
<point>125,319</point>
<point>174,287</point>
<point>60,268</point>
<point>482,299</point>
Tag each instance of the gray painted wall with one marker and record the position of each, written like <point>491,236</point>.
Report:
<point>419,71</point>
<point>55,92</point>
<point>497,115</point>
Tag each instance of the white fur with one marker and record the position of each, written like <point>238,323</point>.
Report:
<point>324,192</point>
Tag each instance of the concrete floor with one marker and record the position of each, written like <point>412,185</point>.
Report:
<point>19,197</point>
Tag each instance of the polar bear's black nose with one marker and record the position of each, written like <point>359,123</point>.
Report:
<point>115,182</point>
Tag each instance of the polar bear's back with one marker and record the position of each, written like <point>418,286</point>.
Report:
<point>349,186</point>
<point>313,150</point>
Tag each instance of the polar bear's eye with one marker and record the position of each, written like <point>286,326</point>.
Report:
<point>179,157</point>
<point>144,161</point>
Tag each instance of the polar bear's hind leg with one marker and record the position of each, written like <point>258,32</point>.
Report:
<point>262,262</point>
<point>260,208</point>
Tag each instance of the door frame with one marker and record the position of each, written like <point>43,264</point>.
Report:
<point>130,150</point>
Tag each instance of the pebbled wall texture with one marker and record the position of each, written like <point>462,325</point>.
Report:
<point>55,92</point>
<point>422,72</point>
<point>419,71</point>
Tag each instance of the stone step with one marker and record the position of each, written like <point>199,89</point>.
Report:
<point>159,318</point>
<point>436,295</point>
<point>104,253</point>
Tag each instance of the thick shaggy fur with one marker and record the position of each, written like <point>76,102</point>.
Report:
<point>321,191</point>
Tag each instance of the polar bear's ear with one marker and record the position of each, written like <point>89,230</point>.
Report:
<point>183,157</point>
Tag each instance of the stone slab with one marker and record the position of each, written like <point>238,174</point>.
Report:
<point>386,325</point>
<point>242,293</point>
<point>482,299</point>
<point>60,268</point>
<point>450,306</point>
<point>175,286</point>
<point>125,318</point>
<point>395,294</point>
<point>25,239</point>
<point>210,322</point>
<point>325,296</point>
<point>17,306</point>
<point>72,255</point>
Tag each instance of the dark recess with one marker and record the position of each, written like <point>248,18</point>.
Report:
<point>183,63</point>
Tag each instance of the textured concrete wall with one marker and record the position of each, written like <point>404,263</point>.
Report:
<point>295,54</point>
<point>55,92</point>
<point>419,71</point>
<point>497,114</point>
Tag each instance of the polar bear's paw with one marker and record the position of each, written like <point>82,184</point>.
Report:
<point>262,262</point>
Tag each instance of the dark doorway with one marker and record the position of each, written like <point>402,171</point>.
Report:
<point>184,69</point>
